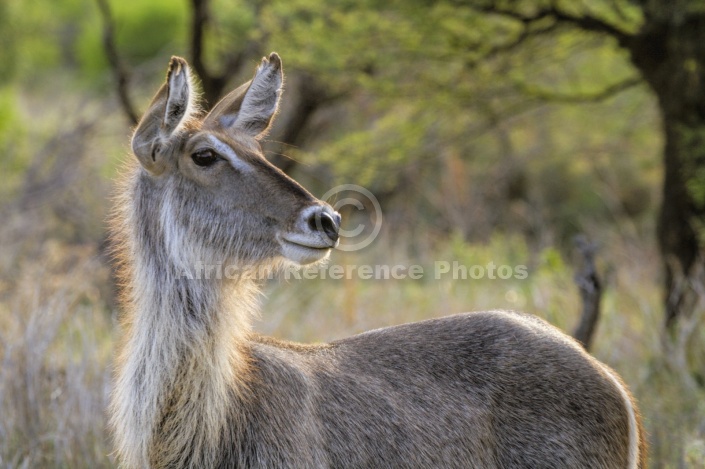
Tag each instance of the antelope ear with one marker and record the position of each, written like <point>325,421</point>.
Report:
<point>251,107</point>
<point>172,105</point>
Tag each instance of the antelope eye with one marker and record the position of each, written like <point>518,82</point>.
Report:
<point>204,157</point>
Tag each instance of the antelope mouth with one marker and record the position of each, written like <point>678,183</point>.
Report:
<point>305,249</point>
<point>315,232</point>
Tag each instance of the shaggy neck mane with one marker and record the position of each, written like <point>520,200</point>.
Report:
<point>184,344</point>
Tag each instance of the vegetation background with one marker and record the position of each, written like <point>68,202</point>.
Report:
<point>489,131</point>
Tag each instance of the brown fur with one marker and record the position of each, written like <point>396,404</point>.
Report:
<point>196,388</point>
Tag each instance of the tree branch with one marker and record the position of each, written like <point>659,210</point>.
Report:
<point>120,72</point>
<point>213,84</point>
<point>526,33</point>
<point>591,23</point>
<point>595,97</point>
<point>199,18</point>
<point>585,22</point>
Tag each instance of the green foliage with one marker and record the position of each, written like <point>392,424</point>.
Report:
<point>8,51</point>
<point>12,141</point>
<point>143,30</point>
<point>552,261</point>
<point>475,154</point>
<point>423,87</point>
<point>8,112</point>
<point>36,37</point>
<point>416,84</point>
<point>234,24</point>
<point>373,156</point>
<point>501,249</point>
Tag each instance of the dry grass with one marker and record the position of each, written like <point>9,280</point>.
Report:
<point>55,348</point>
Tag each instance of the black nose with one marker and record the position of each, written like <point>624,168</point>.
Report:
<point>323,221</point>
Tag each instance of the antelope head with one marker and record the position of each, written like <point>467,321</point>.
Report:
<point>214,193</point>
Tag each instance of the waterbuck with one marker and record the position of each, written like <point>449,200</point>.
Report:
<point>195,387</point>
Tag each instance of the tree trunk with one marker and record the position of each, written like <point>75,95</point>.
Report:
<point>590,286</point>
<point>677,234</point>
<point>670,53</point>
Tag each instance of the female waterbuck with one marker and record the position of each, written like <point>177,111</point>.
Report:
<point>195,387</point>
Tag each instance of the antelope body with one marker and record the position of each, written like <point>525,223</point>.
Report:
<point>195,387</point>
